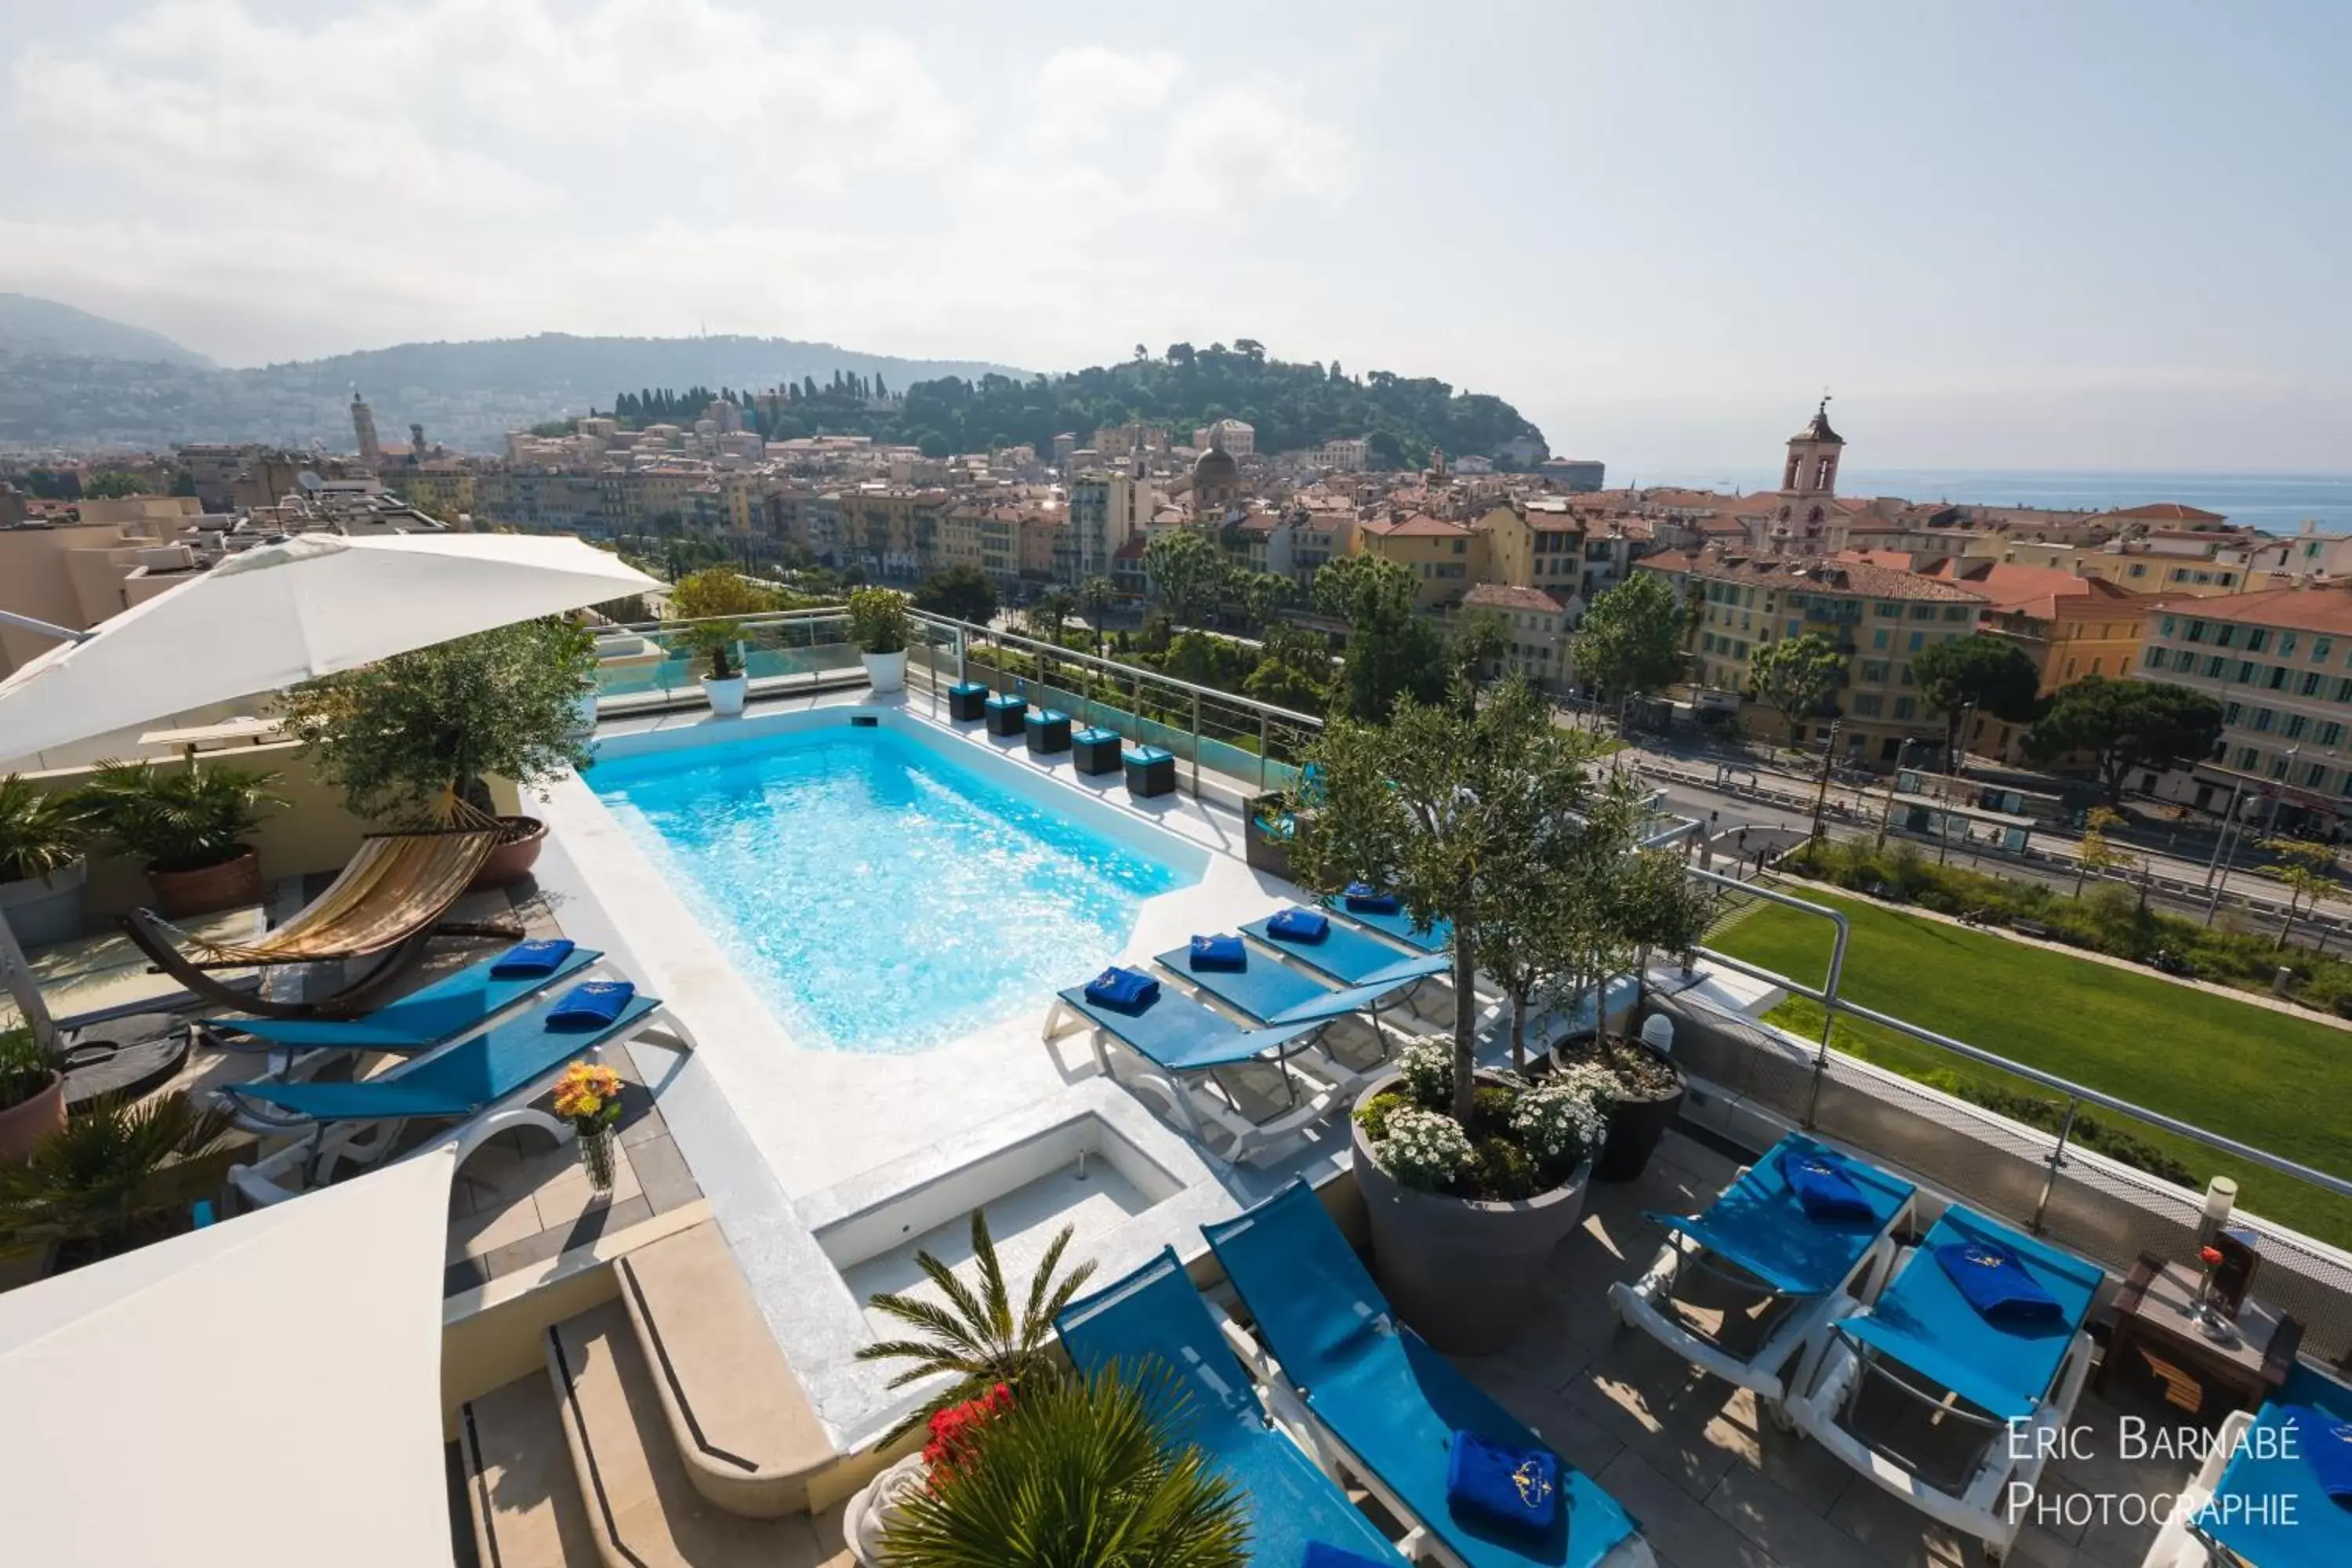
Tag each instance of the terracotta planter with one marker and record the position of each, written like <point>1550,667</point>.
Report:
<point>46,909</point>
<point>22,1126</point>
<point>517,853</point>
<point>1464,1274</point>
<point>223,886</point>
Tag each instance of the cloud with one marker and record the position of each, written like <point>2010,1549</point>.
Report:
<point>1082,93</point>
<point>1244,147</point>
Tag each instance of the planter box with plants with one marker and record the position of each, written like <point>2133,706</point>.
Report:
<point>190,822</point>
<point>413,740</point>
<point>32,1096</point>
<point>42,837</point>
<point>1464,1217</point>
<point>881,627</point>
<point>1642,1095</point>
<point>725,685</point>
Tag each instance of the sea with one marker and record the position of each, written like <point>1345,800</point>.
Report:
<point>2275,503</point>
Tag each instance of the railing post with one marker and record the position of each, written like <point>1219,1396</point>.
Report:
<point>1260,749</point>
<point>1196,745</point>
<point>2057,1158</point>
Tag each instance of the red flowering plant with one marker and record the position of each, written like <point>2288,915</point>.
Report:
<point>956,1433</point>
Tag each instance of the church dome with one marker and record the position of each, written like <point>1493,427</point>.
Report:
<point>1819,430</point>
<point>1215,469</point>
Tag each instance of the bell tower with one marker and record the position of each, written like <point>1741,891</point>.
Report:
<point>1808,484</point>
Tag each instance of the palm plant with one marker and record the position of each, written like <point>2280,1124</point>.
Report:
<point>40,831</point>
<point>107,1178</point>
<point>973,1335</point>
<point>1088,1473</point>
<point>179,818</point>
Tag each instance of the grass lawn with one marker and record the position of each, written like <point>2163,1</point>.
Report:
<point>2271,1080</point>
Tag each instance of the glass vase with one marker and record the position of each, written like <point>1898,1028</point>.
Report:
<point>596,1155</point>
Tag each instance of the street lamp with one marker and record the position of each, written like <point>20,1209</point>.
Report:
<point>1828,760</point>
<point>1902,750</point>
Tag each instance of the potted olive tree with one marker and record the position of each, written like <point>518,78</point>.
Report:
<point>725,683</point>
<point>42,869</point>
<point>714,601</point>
<point>413,740</point>
<point>32,1096</point>
<point>879,625</point>
<point>190,823</point>
<point>1464,812</point>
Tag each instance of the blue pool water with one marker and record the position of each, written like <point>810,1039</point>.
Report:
<point>881,894</point>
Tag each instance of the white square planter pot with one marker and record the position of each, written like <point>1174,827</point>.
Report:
<point>726,697</point>
<point>886,671</point>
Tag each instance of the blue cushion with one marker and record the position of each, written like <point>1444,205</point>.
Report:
<point>1300,926</point>
<point>527,958</point>
<point>1321,1556</point>
<point>966,688</point>
<point>590,1005</point>
<point>1146,755</point>
<point>1095,737</point>
<point>1224,950</point>
<point>1367,899</point>
<point>1516,1487</point>
<point>1008,700</point>
<point>1823,1186</point>
<point>1048,716</point>
<point>1126,990</point>
<point>1993,1279</point>
<point>2325,1441</point>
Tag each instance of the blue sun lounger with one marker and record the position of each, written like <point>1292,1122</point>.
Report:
<point>1154,1324</point>
<point>2258,1498</point>
<point>1389,1403</point>
<point>1182,1043</point>
<point>1275,993</point>
<point>489,1076</point>
<point>2013,1381</point>
<point>449,1007</point>
<point>1351,956</point>
<point>1428,938</point>
<point>1756,1239</point>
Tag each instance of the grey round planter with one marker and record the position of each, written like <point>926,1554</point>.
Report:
<point>46,909</point>
<point>1463,1274</point>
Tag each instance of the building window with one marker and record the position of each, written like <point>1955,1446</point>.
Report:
<point>2167,626</point>
<point>2227,636</point>
<point>2286,644</point>
<point>1878,638</point>
<point>2258,639</point>
<point>2248,759</point>
<point>1904,707</point>
<point>2153,659</point>
<point>2314,776</point>
<point>2278,677</point>
<point>2278,767</point>
<point>2229,712</point>
<point>2197,632</point>
<point>2139,571</point>
<point>2183,660</point>
<point>2331,735</point>
<point>1923,612</point>
<point>1890,612</point>
<point>2294,725</point>
<point>2264,718</point>
<point>2245,676</point>
<point>2320,648</point>
<point>1918,641</point>
<point>2310,682</point>
<point>2213,667</point>
<point>1867,705</point>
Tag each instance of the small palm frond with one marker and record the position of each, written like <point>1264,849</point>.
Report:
<point>992,1277</point>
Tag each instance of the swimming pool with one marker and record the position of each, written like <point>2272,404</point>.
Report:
<point>880,893</point>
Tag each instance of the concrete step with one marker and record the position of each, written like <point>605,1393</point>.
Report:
<point>644,1511</point>
<point>526,1507</point>
<point>736,1415</point>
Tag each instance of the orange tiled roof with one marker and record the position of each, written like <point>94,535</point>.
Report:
<point>2171,512</point>
<point>1499,596</point>
<point>2319,607</point>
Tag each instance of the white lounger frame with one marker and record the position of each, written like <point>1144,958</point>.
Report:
<point>2177,1545</point>
<point>1980,1508</point>
<point>1643,1304</point>
<point>1291,1412</point>
<point>309,1159</point>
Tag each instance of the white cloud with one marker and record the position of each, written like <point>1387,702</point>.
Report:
<point>1242,147</point>
<point>1083,92</point>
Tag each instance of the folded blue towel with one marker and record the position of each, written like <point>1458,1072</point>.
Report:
<point>1321,1556</point>
<point>1220,952</point>
<point>1823,1186</point>
<point>590,1005</point>
<point>1518,1488</point>
<point>1123,989</point>
<point>1367,899</point>
<point>526,958</point>
<point>1993,1280</point>
<point>2325,1444</point>
<point>1300,926</point>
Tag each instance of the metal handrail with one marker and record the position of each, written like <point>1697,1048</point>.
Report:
<point>2077,1095</point>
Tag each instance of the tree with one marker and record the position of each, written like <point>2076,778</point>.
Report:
<point>1263,593</point>
<point>1392,650</point>
<point>1097,595</point>
<point>405,736</point>
<point>2308,870</point>
<point>975,1336</point>
<point>1186,572</point>
<point>2126,725</point>
<point>1630,644</point>
<point>2097,852</point>
<point>718,593</point>
<point>112,486</point>
<point>1797,677</point>
<point>959,593</point>
<point>1294,669</point>
<point>1528,944</point>
<point>1989,673</point>
<point>1050,613</point>
<point>1088,1470</point>
<point>1474,650</point>
<point>1464,814</point>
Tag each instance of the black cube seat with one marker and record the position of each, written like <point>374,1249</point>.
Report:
<point>1151,771</point>
<point>965,700</point>
<point>1049,731</point>
<point>1096,750</point>
<point>1005,714</point>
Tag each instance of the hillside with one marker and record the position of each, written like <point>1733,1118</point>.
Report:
<point>468,394</point>
<point>1292,407</point>
<point>30,325</point>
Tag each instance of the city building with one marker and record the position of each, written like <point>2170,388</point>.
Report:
<point>2072,627</point>
<point>1104,508</point>
<point>2279,661</point>
<point>1578,476</point>
<point>1801,522</point>
<point>1879,617</point>
<point>364,427</point>
<point>1444,558</point>
<point>1234,435</point>
<point>1536,543</point>
<point>1535,629</point>
<point>1346,454</point>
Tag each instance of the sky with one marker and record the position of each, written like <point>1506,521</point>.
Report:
<point>2004,235</point>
